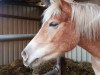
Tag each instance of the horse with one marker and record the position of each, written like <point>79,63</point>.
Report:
<point>66,24</point>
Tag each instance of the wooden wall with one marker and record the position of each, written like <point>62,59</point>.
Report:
<point>10,50</point>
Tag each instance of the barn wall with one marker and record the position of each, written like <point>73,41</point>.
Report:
<point>79,54</point>
<point>10,50</point>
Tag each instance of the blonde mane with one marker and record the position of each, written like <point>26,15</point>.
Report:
<point>87,18</point>
<point>85,15</point>
<point>52,10</point>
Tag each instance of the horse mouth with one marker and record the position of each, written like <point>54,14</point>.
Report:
<point>32,64</point>
<point>37,62</point>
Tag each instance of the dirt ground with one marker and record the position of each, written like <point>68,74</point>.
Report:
<point>72,68</point>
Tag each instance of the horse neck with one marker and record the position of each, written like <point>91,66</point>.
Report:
<point>91,45</point>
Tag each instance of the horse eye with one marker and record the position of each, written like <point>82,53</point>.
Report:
<point>53,24</point>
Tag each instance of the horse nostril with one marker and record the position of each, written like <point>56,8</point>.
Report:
<point>24,55</point>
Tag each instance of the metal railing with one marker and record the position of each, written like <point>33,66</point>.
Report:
<point>9,37</point>
<point>59,68</point>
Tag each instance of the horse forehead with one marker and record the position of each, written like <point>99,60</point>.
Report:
<point>54,19</point>
<point>59,18</point>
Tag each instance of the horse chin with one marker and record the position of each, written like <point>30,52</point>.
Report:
<point>41,63</point>
<point>43,60</point>
<point>36,63</point>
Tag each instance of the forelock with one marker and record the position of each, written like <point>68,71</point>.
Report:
<point>52,10</point>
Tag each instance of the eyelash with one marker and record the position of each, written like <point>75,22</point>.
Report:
<point>53,24</point>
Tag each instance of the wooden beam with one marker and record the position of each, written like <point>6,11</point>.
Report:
<point>19,17</point>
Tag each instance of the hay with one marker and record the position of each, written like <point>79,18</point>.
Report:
<point>71,68</point>
<point>15,68</point>
<point>44,67</point>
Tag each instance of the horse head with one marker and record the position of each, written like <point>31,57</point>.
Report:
<point>56,36</point>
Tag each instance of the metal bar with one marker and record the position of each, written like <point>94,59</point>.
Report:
<point>59,68</point>
<point>59,64</point>
<point>53,72</point>
<point>19,17</point>
<point>16,37</point>
<point>62,64</point>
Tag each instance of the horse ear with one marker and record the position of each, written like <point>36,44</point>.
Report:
<point>65,6</point>
<point>46,2</point>
<point>62,2</point>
